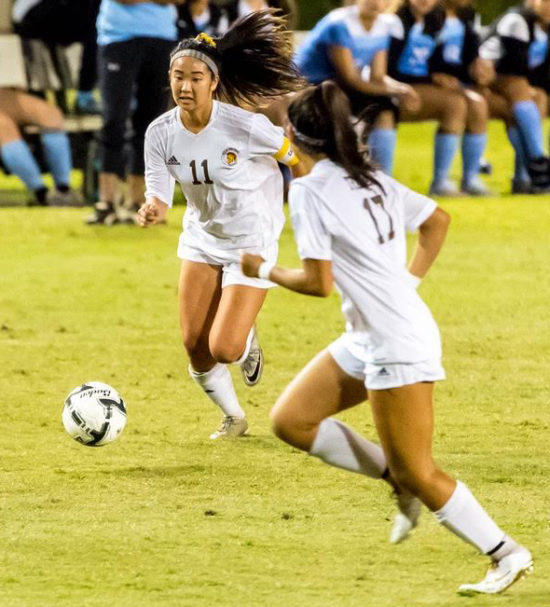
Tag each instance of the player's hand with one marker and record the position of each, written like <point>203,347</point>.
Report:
<point>150,213</point>
<point>250,264</point>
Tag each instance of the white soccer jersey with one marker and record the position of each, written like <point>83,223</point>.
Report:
<point>363,233</point>
<point>228,173</point>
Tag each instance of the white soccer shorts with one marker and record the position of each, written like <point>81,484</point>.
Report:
<point>231,265</point>
<point>354,359</point>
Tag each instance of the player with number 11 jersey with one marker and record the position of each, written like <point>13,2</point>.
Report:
<point>229,176</point>
<point>225,159</point>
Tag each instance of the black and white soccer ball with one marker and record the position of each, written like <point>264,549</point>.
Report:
<point>94,414</point>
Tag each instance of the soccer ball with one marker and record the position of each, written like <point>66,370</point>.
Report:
<point>94,414</point>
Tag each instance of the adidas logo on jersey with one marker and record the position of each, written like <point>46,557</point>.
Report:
<point>383,372</point>
<point>172,161</point>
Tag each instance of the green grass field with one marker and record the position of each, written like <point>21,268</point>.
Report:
<point>165,517</point>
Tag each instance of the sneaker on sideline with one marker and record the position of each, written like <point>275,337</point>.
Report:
<point>69,198</point>
<point>104,214</point>
<point>445,189</point>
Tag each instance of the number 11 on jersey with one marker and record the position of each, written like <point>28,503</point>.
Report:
<point>196,180</point>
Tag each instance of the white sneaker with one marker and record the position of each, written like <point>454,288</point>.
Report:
<point>253,366</point>
<point>445,189</point>
<point>231,427</point>
<point>475,188</point>
<point>502,574</point>
<point>407,517</point>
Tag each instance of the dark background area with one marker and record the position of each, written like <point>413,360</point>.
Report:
<point>313,10</point>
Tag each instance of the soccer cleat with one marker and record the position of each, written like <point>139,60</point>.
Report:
<point>231,427</point>
<point>253,366</point>
<point>104,214</point>
<point>407,517</point>
<point>445,189</point>
<point>68,198</point>
<point>502,574</point>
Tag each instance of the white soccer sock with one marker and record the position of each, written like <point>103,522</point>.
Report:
<point>466,518</point>
<point>246,352</point>
<point>217,384</point>
<point>338,445</point>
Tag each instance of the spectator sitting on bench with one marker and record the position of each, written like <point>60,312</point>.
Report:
<point>19,109</point>
<point>58,22</point>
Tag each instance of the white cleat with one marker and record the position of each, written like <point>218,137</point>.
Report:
<point>502,574</point>
<point>231,427</point>
<point>253,366</point>
<point>407,517</point>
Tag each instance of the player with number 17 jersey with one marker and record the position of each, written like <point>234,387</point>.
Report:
<point>365,235</point>
<point>228,174</point>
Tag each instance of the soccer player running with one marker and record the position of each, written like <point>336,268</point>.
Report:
<point>225,159</point>
<point>350,224</point>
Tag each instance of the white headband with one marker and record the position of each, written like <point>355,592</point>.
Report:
<point>307,139</point>
<point>189,52</point>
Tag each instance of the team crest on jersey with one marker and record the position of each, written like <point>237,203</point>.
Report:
<point>230,157</point>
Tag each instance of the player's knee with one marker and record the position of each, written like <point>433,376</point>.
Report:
<point>226,352</point>
<point>52,118</point>
<point>287,425</point>
<point>9,131</point>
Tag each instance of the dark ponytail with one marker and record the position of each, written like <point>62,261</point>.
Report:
<point>321,118</point>
<point>254,58</point>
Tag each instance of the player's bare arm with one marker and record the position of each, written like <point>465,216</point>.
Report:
<point>431,236</point>
<point>313,278</point>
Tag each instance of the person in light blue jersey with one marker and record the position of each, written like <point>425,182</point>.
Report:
<point>455,66</point>
<point>350,46</point>
<point>413,43</point>
<point>517,47</point>
<point>135,39</point>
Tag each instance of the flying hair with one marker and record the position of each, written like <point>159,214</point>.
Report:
<point>253,59</point>
<point>321,119</point>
